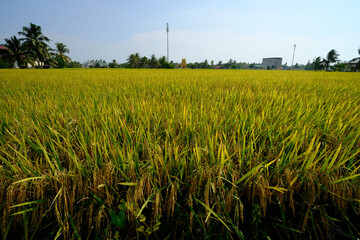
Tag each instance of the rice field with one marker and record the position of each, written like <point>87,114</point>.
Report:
<point>179,154</point>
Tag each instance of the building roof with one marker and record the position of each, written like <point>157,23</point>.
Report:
<point>4,50</point>
<point>353,61</point>
<point>273,58</point>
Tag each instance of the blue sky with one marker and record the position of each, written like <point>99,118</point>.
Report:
<point>213,30</point>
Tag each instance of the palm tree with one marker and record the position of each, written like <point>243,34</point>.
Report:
<point>36,42</point>
<point>113,64</point>
<point>153,62</point>
<point>317,64</point>
<point>331,57</point>
<point>144,61</point>
<point>162,61</point>
<point>357,67</point>
<point>134,60</point>
<point>17,51</point>
<point>61,49</point>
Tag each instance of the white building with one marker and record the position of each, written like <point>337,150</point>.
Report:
<point>271,63</point>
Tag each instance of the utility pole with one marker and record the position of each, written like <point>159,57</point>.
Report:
<point>292,63</point>
<point>167,35</point>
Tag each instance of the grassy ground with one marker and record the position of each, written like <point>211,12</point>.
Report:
<point>125,154</point>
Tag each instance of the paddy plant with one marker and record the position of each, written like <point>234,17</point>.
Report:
<point>154,154</point>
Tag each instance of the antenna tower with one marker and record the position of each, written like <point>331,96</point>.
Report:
<point>292,63</point>
<point>167,35</point>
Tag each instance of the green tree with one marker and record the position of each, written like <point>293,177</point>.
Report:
<point>133,60</point>
<point>58,62</point>
<point>17,52</point>
<point>153,62</point>
<point>143,63</point>
<point>3,64</point>
<point>228,64</point>
<point>357,67</point>
<point>191,65</point>
<point>340,67</point>
<point>74,64</point>
<point>317,64</point>
<point>234,65</point>
<point>309,66</point>
<point>61,49</point>
<point>168,65</point>
<point>331,57</point>
<point>36,42</point>
<point>113,64</point>
<point>162,61</point>
<point>205,64</point>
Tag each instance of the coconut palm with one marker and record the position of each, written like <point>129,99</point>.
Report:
<point>331,57</point>
<point>17,52</point>
<point>113,64</point>
<point>162,61</point>
<point>36,42</point>
<point>317,64</point>
<point>143,63</point>
<point>134,60</point>
<point>153,62</point>
<point>357,67</point>
<point>61,49</point>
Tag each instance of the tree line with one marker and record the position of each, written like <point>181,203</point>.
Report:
<point>137,61</point>
<point>31,49</point>
<point>230,64</point>
<point>332,63</point>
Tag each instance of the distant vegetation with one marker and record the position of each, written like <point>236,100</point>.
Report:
<point>31,49</point>
<point>136,61</point>
<point>181,154</point>
<point>332,63</point>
